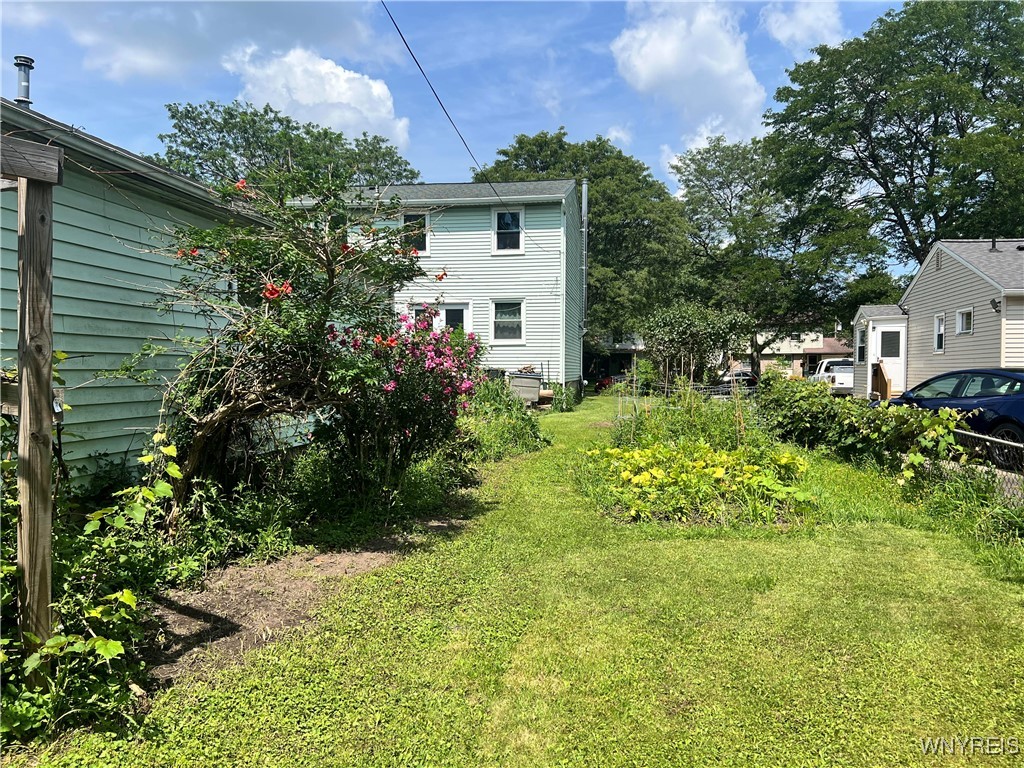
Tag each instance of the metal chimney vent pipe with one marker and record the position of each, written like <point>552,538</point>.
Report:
<point>24,65</point>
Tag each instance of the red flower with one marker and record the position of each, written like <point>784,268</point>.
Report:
<point>346,248</point>
<point>286,286</point>
<point>240,185</point>
<point>441,275</point>
<point>194,251</point>
<point>181,252</point>
<point>378,339</point>
<point>392,341</point>
<point>271,292</point>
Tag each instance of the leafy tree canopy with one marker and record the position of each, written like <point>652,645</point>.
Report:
<point>920,121</point>
<point>782,261</point>
<point>217,143</point>
<point>694,336</point>
<point>637,245</point>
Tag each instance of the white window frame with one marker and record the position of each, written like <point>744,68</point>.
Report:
<point>465,306</point>
<point>936,320</point>
<point>960,315</point>
<point>426,226</point>
<point>521,341</point>
<point>860,342</point>
<point>494,232</point>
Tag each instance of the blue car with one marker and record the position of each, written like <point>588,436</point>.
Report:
<point>996,394</point>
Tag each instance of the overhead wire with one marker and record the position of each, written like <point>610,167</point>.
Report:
<point>447,114</point>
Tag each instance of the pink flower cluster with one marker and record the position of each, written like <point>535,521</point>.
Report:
<point>433,371</point>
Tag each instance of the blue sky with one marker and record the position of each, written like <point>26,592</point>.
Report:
<point>655,78</point>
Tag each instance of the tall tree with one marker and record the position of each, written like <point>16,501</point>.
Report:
<point>638,248</point>
<point>920,120</point>
<point>781,261</point>
<point>217,143</point>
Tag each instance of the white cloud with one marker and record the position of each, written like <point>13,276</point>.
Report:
<point>802,25</point>
<point>693,56</point>
<point>620,134</point>
<point>314,89</point>
<point>175,40</point>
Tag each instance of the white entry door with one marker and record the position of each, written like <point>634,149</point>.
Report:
<point>890,350</point>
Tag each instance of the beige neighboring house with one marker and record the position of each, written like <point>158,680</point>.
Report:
<point>798,354</point>
<point>963,309</point>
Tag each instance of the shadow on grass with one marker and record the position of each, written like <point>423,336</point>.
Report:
<point>395,530</point>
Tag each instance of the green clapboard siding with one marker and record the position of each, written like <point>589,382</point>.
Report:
<point>106,277</point>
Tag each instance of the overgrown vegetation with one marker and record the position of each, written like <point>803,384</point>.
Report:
<point>500,423</point>
<point>548,634</point>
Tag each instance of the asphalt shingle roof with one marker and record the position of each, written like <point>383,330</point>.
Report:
<point>1004,266</point>
<point>507,191</point>
<point>880,310</point>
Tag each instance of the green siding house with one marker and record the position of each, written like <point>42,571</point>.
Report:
<point>112,216</point>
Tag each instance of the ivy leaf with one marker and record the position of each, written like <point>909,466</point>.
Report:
<point>92,526</point>
<point>146,459</point>
<point>169,450</point>
<point>174,471</point>
<point>136,511</point>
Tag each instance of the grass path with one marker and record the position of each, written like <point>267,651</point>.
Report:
<point>547,635</point>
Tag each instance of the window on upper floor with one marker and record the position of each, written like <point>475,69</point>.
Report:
<point>415,236</point>
<point>862,345</point>
<point>796,336</point>
<point>507,230</point>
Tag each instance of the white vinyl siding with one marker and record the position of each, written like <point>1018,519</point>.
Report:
<point>461,244</point>
<point>1012,313</point>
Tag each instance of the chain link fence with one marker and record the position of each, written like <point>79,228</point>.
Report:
<point>1005,461</point>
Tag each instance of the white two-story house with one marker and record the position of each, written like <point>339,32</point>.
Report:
<point>505,262</point>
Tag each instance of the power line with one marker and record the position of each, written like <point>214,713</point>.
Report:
<point>476,163</point>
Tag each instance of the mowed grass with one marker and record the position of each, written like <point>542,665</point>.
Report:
<point>547,635</point>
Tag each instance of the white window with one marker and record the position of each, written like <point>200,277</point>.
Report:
<point>508,321</point>
<point>939,344</point>
<point>862,345</point>
<point>964,321</point>
<point>455,316</point>
<point>796,336</point>
<point>507,230</point>
<point>417,227</point>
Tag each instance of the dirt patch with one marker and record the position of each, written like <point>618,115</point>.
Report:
<point>243,607</point>
<point>601,424</point>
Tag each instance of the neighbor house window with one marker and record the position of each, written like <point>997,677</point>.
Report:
<point>965,321</point>
<point>508,231</point>
<point>862,345</point>
<point>940,333</point>
<point>796,336</point>
<point>416,231</point>
<point>509,321</point>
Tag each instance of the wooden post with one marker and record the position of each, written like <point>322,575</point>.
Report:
<point>35,409</point>
<point>37,168</point>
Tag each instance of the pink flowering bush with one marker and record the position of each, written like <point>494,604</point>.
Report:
<point>405,404</point>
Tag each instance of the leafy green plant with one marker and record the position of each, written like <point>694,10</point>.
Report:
<point>694,483</point>
<point>565,399</point>
<point>499,423</point>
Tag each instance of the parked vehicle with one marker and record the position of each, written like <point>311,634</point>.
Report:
<point>732,381</point>
<point>993,398</point>
<point>837,373</point>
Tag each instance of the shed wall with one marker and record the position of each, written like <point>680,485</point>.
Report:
<point>104,281</point>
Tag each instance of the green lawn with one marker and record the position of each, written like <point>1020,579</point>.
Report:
<point>547,635</point>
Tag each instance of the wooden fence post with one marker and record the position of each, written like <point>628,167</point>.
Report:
<point>35,409</point>
<point>37,168</point>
